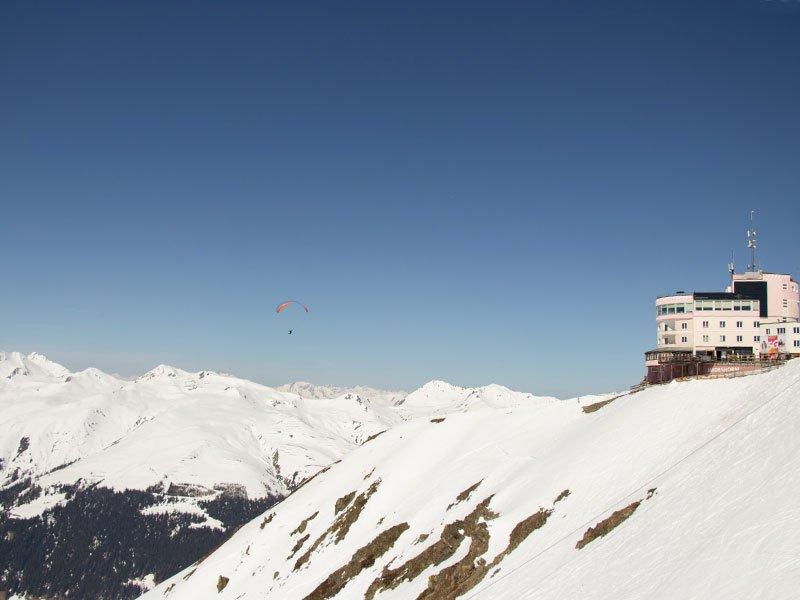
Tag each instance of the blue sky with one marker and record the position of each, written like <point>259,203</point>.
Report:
<point>477,192</point>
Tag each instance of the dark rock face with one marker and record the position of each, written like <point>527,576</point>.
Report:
<point>98,541</point>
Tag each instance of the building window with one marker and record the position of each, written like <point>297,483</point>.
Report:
<point>781,329</point>
<point>756,338</point>
<point>722,338</point>
<point>797,343</point>
<point>705,338</point>
<point>722,324</point>
<point>767,330</point>
<point>684,340</point>
<point>738,323</point>
<point>756,324</point>
<point>705,323</point>
<point>684,326</point>
<point>796,330</point>
<point>739,338</point>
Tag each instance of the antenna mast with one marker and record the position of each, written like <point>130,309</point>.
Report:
<point>731,266</point>
<point>751,244</point>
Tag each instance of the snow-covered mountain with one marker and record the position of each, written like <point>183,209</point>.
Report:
<point>686,490</point>
<point>170,426</point>
<point>193,443</point>
<point>375,396</point>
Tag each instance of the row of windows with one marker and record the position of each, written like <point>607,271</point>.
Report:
<point>722,338</point>
<point>783,330</point>
<point>705,305</point>
<point>671,309</point>
<point>724,324</point>
<point>670,326</point>
<point>739,338</point>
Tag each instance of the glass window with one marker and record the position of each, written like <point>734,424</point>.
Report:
<point>684,326</point>
<point>722,338</point>
<point>796,330</point>
<point>705,338</point>
<point>756,338</point>
<point>683,340</point>
<point>722,324</point>
<point>739,338</point>
<point>781,329</point>
<point>738,323</point>
<point>705,323</point>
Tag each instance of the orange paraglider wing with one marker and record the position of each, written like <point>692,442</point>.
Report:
<point>284,305</point>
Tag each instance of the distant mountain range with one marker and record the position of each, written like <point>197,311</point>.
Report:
<point>183,457</point>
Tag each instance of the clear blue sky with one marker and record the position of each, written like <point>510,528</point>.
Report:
<point>477,192</point>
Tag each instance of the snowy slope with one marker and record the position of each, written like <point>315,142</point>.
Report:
<point>171,427</point>
<point>687,490</point>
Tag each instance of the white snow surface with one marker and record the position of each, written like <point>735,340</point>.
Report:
<point>170,426</point>
<point>723,456</point>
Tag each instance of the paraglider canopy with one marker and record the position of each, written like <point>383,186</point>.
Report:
<point>284,305</point>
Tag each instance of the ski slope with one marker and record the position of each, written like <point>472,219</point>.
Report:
<point>687,490</point>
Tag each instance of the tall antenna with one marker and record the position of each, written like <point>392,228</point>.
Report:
<point>751,243</point>
<point>731,266</point>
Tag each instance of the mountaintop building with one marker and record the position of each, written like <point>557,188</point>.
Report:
<point>756,319</point>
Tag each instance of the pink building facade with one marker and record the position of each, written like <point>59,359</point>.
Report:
<point>756,318</point>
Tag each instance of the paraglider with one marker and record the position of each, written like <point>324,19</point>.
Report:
<point>284,305</point>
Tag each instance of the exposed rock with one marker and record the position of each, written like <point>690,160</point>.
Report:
<point>302,527</point>
<point>606,525</point>
<point>561,496</point>
<point>472,526</point>
<point>342,502</point>
<point>362,559</point>
<point>342,523</point>
<point>372,437</point>
<point>465,494</point>
<point>298,545</point>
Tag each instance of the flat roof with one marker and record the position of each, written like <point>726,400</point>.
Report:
<point>711,296</point>
<point>721,296</point>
